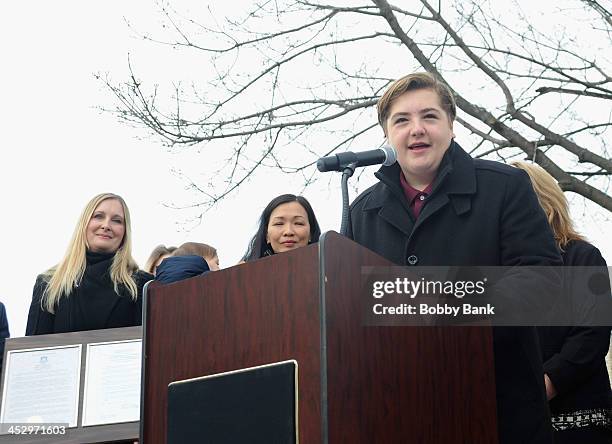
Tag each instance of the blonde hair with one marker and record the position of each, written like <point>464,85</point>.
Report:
<point>196,249</point>
<point>553,201</point>
<point>412,82</point>
<point>66,275</point>
<point>158,252</point>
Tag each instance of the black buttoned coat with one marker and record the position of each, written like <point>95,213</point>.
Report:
<point>574,356</point>
<point>479,213</point>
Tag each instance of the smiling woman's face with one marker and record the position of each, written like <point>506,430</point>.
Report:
<point>106,227</point>
<point>288,227</point>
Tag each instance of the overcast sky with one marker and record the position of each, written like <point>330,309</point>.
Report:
<point>58,150</point>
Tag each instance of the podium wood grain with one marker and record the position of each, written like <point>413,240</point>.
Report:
<point>401,384</point>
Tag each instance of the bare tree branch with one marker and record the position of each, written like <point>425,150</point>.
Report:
<point>307,74</point>
<point>547,89</point>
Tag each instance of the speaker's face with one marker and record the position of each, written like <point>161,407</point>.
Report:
<point>421,132</point>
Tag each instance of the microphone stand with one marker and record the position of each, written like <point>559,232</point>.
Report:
<point>346,174</point>
<point>347,162</point>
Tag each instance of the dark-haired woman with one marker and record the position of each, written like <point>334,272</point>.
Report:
<point>288,222</point>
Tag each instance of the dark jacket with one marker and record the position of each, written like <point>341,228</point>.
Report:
<point>479,213</point>
<point>4,331</point>
<point>92,305</point>
<point>574,357</point>
<point>177,268</point>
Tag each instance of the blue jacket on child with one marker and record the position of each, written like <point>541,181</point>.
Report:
<point>177,268</point>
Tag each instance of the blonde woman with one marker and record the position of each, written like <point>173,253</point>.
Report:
<point>97,283</point>
<point>575,373</point>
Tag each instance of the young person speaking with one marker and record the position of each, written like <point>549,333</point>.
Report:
<point>437,206</point>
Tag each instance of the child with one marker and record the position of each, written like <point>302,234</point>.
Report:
<point>189,260</point>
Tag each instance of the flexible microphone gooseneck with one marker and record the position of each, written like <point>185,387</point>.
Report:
<point>347,162</point>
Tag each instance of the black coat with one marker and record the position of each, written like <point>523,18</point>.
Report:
<point>480,213</point>
<point>4,331</point>
<point>92,305</point>
<point>574,357</point>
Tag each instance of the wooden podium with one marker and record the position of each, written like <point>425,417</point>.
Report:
<point>356,383</point>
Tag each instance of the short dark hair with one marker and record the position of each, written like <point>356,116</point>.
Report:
<point>258,246</point>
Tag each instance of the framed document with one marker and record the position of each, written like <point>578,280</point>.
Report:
<point>42,385</point>
<point>112,382</point>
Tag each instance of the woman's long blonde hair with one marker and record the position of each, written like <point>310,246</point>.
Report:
<point>66,275</point>
<point>553,201</point>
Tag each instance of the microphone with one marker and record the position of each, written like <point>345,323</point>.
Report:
<point>338,162</point>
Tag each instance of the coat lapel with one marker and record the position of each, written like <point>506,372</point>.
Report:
<point>386,199</point>
<point>401,220</point>
<point>437,202</point>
